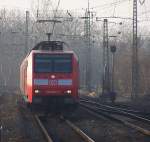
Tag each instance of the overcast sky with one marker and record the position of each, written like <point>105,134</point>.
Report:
<point>101,7</point>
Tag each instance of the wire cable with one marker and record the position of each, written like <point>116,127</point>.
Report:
<point>110,4</point>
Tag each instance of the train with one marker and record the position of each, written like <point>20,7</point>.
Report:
<point>49,76</point>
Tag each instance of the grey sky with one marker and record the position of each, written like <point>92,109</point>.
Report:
<point>101,7</point>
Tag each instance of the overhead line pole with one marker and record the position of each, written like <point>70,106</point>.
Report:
<point>106,58</point>
<point>88,49</point>
<point>26,32</point>
<point>135,63</point>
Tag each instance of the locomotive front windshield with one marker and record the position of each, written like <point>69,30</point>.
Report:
<point>58,63</point>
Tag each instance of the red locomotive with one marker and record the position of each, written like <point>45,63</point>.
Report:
<point>49,76</point>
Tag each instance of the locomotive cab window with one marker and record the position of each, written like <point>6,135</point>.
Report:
<point>58,63</point>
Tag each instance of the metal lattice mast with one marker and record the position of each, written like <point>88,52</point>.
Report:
<point>135,68</point>
<point>88,50</point>
<point>26,32</point>
<point>106,52</point>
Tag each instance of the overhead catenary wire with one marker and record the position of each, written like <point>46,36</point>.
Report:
<point>110,4</point>
<point>102,6</point>
<point>115,3</point>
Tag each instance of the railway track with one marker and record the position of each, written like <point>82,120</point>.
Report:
<point>123,116</point>
<point>123,108</point>
<point>52,137</point>
<point>44,131</point>
<point>124,111</point>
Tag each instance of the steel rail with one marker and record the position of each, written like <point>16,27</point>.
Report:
<point>44,131</point>
<point>80,132</point>
<point>126,123</point>
<point>75,128</point>
<point>113,107</point>
<point>118,111</point>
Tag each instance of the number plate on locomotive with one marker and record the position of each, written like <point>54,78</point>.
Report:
<point>53,82</point>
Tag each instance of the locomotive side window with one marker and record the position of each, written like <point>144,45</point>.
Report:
<point>57,63</point>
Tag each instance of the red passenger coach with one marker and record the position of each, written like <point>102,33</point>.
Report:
<point>49,75</point>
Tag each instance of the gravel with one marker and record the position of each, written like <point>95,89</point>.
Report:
<point>18,124</point>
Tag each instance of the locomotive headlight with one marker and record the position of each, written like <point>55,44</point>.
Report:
<point>68,91</point>
<point>37,91</point>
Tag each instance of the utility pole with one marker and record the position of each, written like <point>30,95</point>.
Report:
<point>113,50</point>
<point>88,49</point>
<point>135,64</point>
<point>106,64</point>
<point>26,33</point>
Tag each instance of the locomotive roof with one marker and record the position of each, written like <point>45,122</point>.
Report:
<point>49,45</point>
